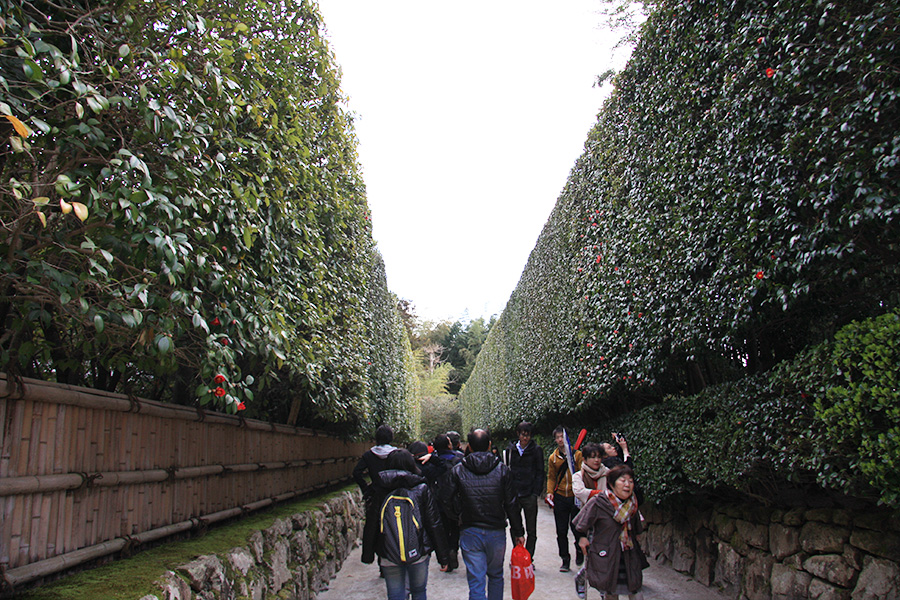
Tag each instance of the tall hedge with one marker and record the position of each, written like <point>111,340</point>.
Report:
<point>737,202</point>
<point>182,211</point>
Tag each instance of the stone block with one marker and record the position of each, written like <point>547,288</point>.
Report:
<point>322,531</point>
<point>783,541</point>
<point>883,544</point>
<point>788,583</point>
<point>204,573</point>
<point>278,530</point>
<point>682,547</point>
<point>278,565</point>
<point>794,517</point>
<point>822,590</point>
<point>723,526</point>
<point>240,560</point>
<point>697,517</point>
<point>729,567</point>
<point>879,580</point>
<point>173,587</point>
<point>752,534</point>
<point>853,556</point>
<point>869,520</point>
<point>301,547</point>
<point>830,567</point>
<point>257,545</point>
<point>665,542</point>
<point>795,561</point>
<point>842,517</point>
<point>820,515</point>
<point>757,576</point>
<point>300,520</point>
<point>706,553</point>
<point>819,538</point>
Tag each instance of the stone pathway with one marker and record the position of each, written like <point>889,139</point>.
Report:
<point>357,581</point>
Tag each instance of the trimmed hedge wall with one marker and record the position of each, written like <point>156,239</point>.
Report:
<point>736,204</point>
<point>182,215</point>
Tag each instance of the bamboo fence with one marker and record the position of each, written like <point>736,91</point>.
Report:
<point>86,473</point>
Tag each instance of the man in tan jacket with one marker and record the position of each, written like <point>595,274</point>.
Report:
<point>561,497</point>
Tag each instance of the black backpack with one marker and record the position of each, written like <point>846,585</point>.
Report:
<point>401,528</point>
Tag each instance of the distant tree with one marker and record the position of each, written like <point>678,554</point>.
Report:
<point>439,414</point>
<point>408,313</point>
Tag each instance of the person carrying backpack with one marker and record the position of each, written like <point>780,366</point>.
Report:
<point>410,528</point>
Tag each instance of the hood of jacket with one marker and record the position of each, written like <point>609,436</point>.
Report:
<point>481,462</point>
<point>393,479</point>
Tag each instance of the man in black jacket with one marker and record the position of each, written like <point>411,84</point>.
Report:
<point>526,463</point>
<point>373,461</point>
<point>480,493</point>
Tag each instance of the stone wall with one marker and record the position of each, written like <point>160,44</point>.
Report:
<point>757,553</point>
<point>291,560</point>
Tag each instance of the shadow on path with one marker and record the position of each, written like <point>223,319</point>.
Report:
<point>357,581</point>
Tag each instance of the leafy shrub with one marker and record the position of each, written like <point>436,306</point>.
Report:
<point>736,204</point>
<point>861,413</point>
<point>827,417</point>
<point>182,213</point>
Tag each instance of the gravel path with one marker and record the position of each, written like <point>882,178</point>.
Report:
<point>357,581</point>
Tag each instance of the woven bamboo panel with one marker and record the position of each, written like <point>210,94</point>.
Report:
<point>139,467</point>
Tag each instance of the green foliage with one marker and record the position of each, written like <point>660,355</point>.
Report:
<point>736,203</point>
<point>827,417</point>
<point>863,413</point>
<point>440,414</point>
<point>220,225</point>
<point>394,391</point>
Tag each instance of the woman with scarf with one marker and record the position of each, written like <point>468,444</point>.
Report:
<point>614,557</point>
<point>590,480</point>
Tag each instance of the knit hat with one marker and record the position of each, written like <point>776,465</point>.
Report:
<point>418,449</point>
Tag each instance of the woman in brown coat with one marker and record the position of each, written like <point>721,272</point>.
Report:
<point>607,528</point>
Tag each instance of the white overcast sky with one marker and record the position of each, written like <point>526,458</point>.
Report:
<point>470,115</point>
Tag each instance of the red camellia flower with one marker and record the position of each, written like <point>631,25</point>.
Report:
<point>215,322</point>
<point>760,274</point>
<point>219,392</point>
<point>770,72</point>
<point>224,341</point>
<point>241,406</point>
<point>219,378</point>
<point>760,40</point>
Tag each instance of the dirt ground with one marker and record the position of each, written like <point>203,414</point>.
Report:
<point>357,581</point>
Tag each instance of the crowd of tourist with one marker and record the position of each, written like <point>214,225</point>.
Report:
<point>450,499</point>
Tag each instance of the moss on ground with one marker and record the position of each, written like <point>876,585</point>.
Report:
<point>131,578</point>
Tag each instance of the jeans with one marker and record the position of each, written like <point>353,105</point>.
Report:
<point>395,579</point>
<point>563,512</point>
<point>483,552</point>
<point>529,506</point>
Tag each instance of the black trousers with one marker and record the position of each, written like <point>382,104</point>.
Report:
<point>528,508</point>
<point>564,511</point>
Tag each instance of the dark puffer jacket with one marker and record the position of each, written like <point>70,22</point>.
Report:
<point>480,493</point>
<point>434,537</point>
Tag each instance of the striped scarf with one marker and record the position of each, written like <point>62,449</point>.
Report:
<point>623,510</point>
